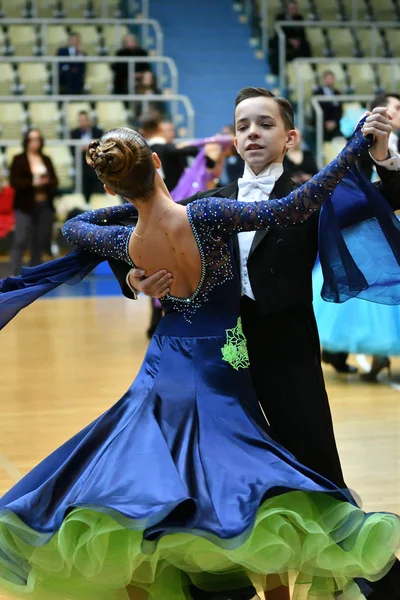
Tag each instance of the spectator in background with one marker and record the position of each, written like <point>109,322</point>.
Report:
<point>148,86</point>
<point>6,208</point>
<point>296,39</point>
<point>299,162</point>
<point>160,135</point>
<point>34,180</point>
<point>72,75</point>
<point>168,130</point>
<point>333,111</point>
<point>173,157</point>
<point>130,47</point>
<point>392,102</point>
<point>87,132</point>
<point>233,165</point>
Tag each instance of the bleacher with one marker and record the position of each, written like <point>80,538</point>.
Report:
<point>31,33</point>
<point>341,38</point>
<point>359,41</point>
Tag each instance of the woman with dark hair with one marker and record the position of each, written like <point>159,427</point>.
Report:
<point>300,162</point>
<point>147,85</point>
<point>34,180</point>
<point>181,485</point>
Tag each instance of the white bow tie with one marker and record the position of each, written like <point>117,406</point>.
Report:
<point>265,184</point>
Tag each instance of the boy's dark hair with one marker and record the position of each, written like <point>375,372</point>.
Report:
<point>381,99</point>
<point>150,123</point>
<point>285,108</point>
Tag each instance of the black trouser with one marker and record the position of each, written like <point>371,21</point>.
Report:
<point>285,365</point>
<point>286,369</point>
<point>31,231</point>
<point>90,183</point>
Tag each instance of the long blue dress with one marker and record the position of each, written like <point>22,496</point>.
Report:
<point>180,483</point>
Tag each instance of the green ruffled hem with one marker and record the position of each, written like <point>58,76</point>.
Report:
<point>327,543</point>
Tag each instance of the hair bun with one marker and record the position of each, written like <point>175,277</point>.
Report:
<point>112,159</point>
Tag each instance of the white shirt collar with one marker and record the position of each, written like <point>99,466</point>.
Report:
<point>275,169</point>
<point>394,141</point>
<point>156,140</point>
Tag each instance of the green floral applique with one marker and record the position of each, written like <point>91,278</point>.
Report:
<point>235,349</point>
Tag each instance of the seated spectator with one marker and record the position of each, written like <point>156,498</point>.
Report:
<point>6,208</point>
<point>296,39</point>
<point>168,130</point>
<point>130,47</point>
<point>233,165</point>
<point>333,111</point>
<point>72,75</point>
<point>34,180</point>
<point>299,162</point>
<point>87,132</point>
<point>147,86</point>
<point>173,158</point>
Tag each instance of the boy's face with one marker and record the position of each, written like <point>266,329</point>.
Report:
<point>393,106</point>
<point>261,137</point>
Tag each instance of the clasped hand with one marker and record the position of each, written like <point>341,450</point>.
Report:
<point>377,124</point>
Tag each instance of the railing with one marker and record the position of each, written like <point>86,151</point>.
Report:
<point>281,25</point>
<point>35,8</point>
<point>343,61</point>
<point>319,114</point>
<point>175,100</point>
<point>257,16</point>
<point>260,16</point>
<point>131,60</point>
<point>144,25</point>
<point>75,173</point>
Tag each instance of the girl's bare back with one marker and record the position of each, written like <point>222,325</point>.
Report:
<point>169,244</point>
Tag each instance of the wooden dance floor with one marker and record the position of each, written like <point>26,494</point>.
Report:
<point>66,360</point>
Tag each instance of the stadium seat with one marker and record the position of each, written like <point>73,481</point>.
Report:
<point>332,149</point>
<point>111,5</point>
<point>111,114</point>
<point>342,41</point>
<point>367,42</point>
<point>12,120</point>
<point>7,79</point>
<point>362,78</point>
<point>23,40</point>
<point>307,75</point>
<point>45,9</point>
<point>63,164</point>
<point>67,203</point>
<point>389,76</point>
<point>13,9</point>
<point>74,9</point>
<point>113,37</point>
<point>103,200</point>
<point>99,78</point>
<point>55,38</point>
<point>3,42</point>
<point>317,40</point>
<point>327,11</point>
<point>90,38</point>
<point>383,10</point>
<point>46,117</point>
<point>393,37</point>
<point>34,77</point>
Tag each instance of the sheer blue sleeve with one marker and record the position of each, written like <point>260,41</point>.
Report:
<point>94,231</point>
<point>232,216</point>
